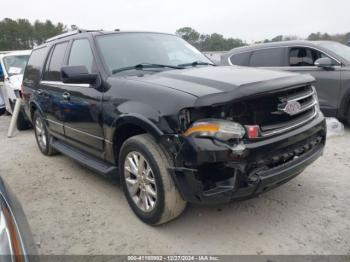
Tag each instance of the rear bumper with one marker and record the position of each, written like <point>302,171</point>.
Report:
<point>216,174</point>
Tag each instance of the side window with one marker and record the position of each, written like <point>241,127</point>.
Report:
<point>303,56</point>
<point>240,59</point>
<point>267,57</point>
<point>53,71</point>
<point>32,73</point>
<point>81,54</point>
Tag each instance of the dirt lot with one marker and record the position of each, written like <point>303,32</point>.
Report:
<point>74,211</point>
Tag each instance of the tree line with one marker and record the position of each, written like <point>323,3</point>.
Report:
<point>217,42</point>
<point>212,42</point>
<point>21,34</point>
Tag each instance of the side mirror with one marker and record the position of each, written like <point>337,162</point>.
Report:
<point>324,62</point>
<point>77,75</point>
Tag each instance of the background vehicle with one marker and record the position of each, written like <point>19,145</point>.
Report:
<point>178,128</point>
<point>13,64</point>
<point>16,241</point>
<point>328,62</point>
<point>2,105</point>
<point>2,102</point>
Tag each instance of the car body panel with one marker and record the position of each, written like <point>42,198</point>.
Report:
<point>22,226</point>
<point>210,80</point>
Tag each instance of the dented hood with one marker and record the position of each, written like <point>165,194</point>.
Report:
<point>213,85</point>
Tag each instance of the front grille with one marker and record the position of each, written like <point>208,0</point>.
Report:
<point>270,113</point>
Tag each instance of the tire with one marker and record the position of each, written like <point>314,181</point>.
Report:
<point>22,122</point>
<point>42,135</point>
<point>167,203</point>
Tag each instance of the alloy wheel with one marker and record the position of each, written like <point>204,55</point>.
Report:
<point>140,181</point>
<point>40,133</point>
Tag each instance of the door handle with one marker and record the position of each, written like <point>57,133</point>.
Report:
<point>66,96</point>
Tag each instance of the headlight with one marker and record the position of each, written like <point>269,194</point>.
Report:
<point>10,241</point>
<point>215,128</point>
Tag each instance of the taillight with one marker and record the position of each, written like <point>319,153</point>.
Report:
<point>21,92</point>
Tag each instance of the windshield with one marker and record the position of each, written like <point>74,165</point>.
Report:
<point>339,49</point>
<point>15,65</point>
<point>129,49</point>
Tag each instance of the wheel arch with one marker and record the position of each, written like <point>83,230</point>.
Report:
<point>34,106</point>
<point>131,125</point>
<point>344,105</point>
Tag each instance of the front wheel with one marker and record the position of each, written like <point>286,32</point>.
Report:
<point>147,184</point>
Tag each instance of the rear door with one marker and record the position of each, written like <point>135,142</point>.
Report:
<point>271,58</point>
<point>82,117</point>
<point>328,85</point>
<point>50,91</point>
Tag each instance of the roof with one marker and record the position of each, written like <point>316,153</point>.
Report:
<point>81,31</point>
<point>277,44</point>
<point>71,34</point>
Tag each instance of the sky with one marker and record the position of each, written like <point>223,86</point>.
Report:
<point>250,20</point>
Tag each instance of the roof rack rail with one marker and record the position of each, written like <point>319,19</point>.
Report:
<point>74,32</point>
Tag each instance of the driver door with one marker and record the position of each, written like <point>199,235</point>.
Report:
<point>82,115</point>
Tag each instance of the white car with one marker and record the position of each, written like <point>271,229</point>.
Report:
<point>12,65</point>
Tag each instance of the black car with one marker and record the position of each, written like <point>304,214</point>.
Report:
<point>327,61</point>
<point>175,127</point>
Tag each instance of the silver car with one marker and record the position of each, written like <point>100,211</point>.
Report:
<point>327,61</point>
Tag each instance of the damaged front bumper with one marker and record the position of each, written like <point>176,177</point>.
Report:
<point>207,172</point>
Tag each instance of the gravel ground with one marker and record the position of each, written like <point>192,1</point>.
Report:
<point>74,211</point>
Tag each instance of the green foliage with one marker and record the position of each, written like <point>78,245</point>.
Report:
<point>342,38</point>
<point>21,34</point>
<point>279,38</point>
<point>189,34</point>
<point>213,42</point>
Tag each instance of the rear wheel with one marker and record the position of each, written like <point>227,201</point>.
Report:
<point>147,184</point>
<point>41,135</point>
<point>22,122</point>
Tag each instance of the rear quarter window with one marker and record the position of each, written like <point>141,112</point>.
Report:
<point>271,57</point>
<point>34,67</point>
<point>240,59</point>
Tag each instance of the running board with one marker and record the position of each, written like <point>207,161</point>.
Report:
<point>85,159</point>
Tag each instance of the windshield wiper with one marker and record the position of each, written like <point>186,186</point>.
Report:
<point>196,63</point>
<point>145,66</point>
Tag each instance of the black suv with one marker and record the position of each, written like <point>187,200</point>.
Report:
<point>176,128</point>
